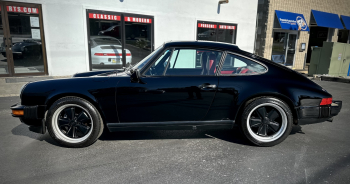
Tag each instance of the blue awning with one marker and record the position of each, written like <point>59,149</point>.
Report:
<point>291,21</point>
<point>325,19</point>
<point>346,21</point>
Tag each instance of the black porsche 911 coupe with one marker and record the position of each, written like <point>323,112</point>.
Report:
<point>181,85</point>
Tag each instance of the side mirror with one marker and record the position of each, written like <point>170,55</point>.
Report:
<point>136,77</point>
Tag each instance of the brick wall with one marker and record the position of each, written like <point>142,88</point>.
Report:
<point>264,49</point>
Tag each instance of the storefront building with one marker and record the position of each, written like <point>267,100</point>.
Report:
<point>63,37</point>
<point>287,30</point>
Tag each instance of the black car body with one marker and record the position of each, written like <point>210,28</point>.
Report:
<point>146,97</point>
<point>25,49</point>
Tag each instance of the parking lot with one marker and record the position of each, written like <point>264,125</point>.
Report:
<point>317,153</point>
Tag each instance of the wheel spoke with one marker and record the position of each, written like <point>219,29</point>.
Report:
<point>271,128</point>
<point>262,130</point>
<point>69,130</point>
<point>254,122</point>
<point>273,114</point>
<point>83,129</point>
<point>74,131</point>
<point>274,125</point>
<point>70,112</point>
<point>261,112</point>
<point>63,122</point>
<point>82,117</point>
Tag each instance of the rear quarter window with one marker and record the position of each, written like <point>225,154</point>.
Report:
<point>237,65</point>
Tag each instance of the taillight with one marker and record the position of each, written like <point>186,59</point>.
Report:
<point>110,54</point>
<point>326,101</point>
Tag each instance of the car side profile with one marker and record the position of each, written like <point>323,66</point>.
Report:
<point>181,85</point>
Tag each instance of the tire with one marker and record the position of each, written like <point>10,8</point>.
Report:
<point>267,127</point>
<point>74,122</point>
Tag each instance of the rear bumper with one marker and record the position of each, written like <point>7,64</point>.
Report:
<point>317,114</point>
<point>33,116</point>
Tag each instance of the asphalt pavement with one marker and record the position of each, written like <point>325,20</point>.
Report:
<point>317,153</point>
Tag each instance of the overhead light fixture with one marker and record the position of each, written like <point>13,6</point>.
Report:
<point>223,1</point>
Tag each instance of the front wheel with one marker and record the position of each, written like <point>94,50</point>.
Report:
<point>74,122</point>
<point>266,121</point>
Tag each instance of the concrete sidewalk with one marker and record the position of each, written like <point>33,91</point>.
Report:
<point>11,86</point>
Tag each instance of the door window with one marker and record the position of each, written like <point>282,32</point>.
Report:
<point>215,31</point>
<point>185,62</point>
<point>240,66</point>
<point>158,67</point>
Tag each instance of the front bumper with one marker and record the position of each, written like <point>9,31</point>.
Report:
<point>33,116</point>
<point>317,114</point>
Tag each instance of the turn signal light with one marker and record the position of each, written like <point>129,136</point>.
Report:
<point>18,112</point>
<point>326,101</point>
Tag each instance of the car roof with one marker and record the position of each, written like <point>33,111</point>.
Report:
<point>207,44</point>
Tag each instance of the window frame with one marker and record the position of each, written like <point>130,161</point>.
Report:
<point>145,69</point>
<point>239,55</point>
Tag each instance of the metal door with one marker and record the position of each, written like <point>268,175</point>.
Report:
<point>345,61</point>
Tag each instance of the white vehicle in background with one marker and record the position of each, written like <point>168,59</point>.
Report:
<point>107,50</point>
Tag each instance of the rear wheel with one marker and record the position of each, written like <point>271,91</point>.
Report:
<point>266,121</point>
<point>74,122</point>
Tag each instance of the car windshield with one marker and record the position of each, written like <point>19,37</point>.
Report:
<point>106,41</point>
<point>145,60</point>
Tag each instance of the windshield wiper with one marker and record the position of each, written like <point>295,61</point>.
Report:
<point>128,68</point>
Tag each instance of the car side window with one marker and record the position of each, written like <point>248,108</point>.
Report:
<point>158,67</point>
<point>187,62</point>
<point>240,66</point>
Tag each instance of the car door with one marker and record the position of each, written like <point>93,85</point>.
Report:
<point>239,79</point>
<point>180,85</point>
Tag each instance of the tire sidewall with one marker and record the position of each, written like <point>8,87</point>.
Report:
<point>252,105</point>
<point>95,116</point>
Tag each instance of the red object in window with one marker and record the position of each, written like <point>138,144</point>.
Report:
<point>227,72</point>
<point>244,71</point>
<point>326,101</point>
<point>110,54</point>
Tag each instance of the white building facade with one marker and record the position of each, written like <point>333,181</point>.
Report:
<point>64,37</point>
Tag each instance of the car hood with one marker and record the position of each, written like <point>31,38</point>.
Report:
<point>100,73</point>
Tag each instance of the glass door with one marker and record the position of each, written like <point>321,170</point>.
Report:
<point>4,69</point>
<point>283,48</point>
<point>22,46</point>
<point>292,39</point>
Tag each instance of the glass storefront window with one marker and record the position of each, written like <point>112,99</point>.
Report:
<point>111,34</point>
<point>138,42</point>
<point>214,31</point>
<point>105,40</point>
